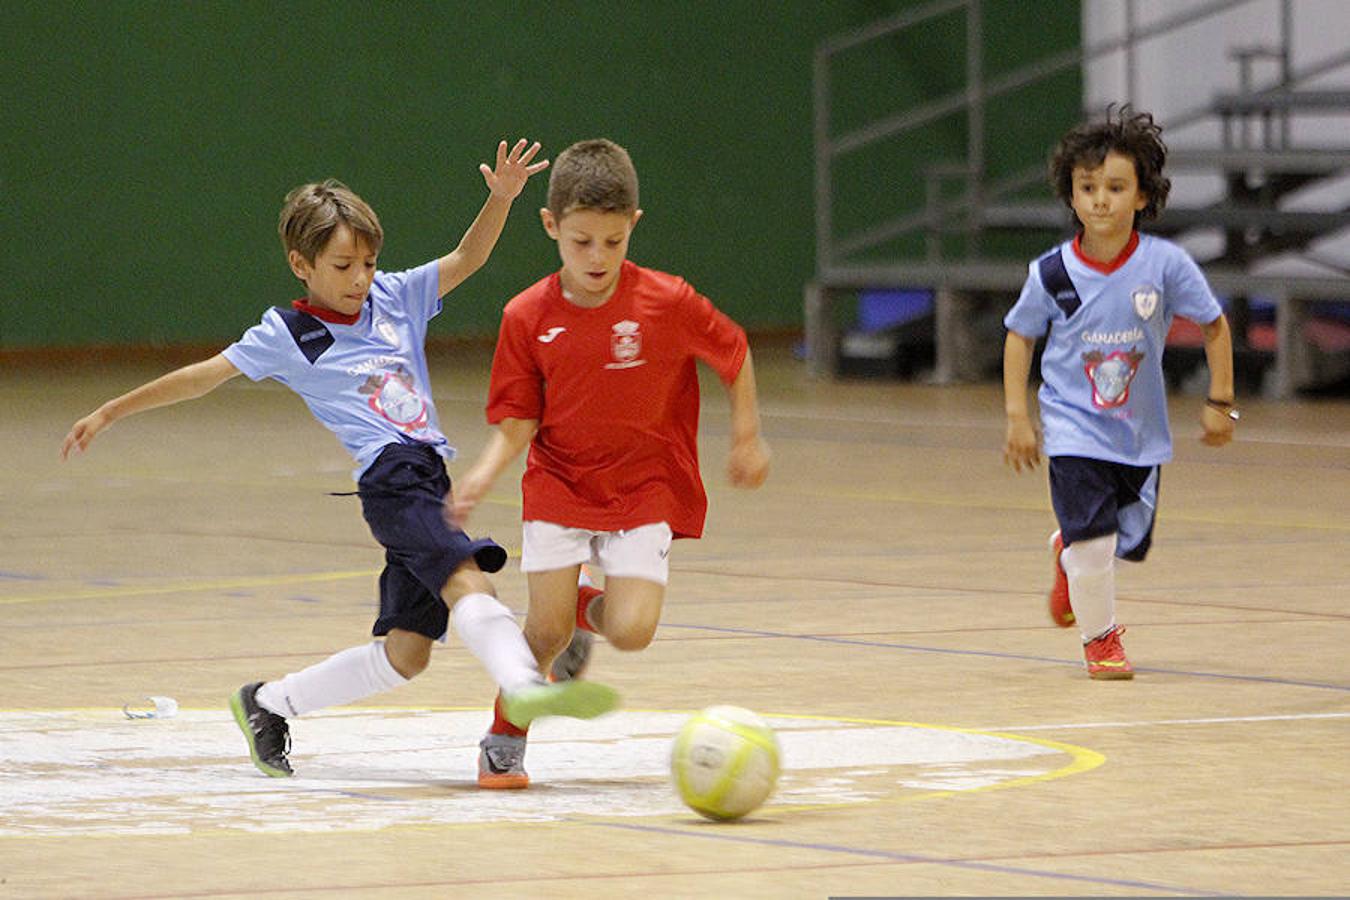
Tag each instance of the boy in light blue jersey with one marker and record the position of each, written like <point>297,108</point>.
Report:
<point>1104,302</point>
<point>354,350</point>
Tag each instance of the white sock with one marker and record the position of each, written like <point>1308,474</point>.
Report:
<point>344,677</point>
<point>491,633</point>
<point>1091,569</point>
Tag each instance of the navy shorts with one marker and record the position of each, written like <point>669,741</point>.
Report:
<point>1094,498</point>
<point>403,500</point>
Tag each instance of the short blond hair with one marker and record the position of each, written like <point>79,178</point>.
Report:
<point>596,174</point>
<point>312,212</point>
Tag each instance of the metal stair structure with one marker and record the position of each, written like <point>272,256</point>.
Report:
<point>1258,164</point>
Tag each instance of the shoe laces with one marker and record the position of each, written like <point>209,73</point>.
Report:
<point>503,752</point>
<point>1108,645</point>
<point>273,734</point>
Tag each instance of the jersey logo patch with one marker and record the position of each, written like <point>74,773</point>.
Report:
<point>385,329</point>
<point>625,345</point>
<point>1145,299</point>
<point>1110,375</point>
<point>394,397</point>
<point>548,336</point>
<point>311,336</point>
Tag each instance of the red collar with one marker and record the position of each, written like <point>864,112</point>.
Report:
<point>326,315</point>
<point>1108,267</point>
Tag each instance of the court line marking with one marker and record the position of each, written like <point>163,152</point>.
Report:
<point>907,858</point>
<point>1082,759</point>
<point>992,425</point>
<point>263,581</point>
<point>956,503</point>
<point>186,587</point>
<point>1149,723</point>
<point>1168,516</point>
<point>996,654</point>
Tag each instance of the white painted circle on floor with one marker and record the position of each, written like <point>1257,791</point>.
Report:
<point>81,772</point>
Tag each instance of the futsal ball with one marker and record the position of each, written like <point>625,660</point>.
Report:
<point>725,762</point>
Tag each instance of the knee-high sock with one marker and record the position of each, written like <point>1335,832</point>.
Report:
<point>344,677</point>
<point>1090,567</point>
<point>491,633</point>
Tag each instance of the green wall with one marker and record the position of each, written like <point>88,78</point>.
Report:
<point>147,146</point>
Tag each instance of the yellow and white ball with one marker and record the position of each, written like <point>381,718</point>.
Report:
<point>725,762</point>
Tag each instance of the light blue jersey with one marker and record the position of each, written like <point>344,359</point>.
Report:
<point>1103,394</point>
<point>367,381</point>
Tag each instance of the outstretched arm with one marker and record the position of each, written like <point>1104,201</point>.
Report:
<point>505,183</point>
<point>1214,416</point>
<point>1021,447</point>
<point>180,384</point>
<point>505,445</point>
<point>749,462</point>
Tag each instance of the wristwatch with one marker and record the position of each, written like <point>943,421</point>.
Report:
<point>1223,406</point>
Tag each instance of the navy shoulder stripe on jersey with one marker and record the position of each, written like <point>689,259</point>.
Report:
<point>310,335</point>
<point>1055,278</point>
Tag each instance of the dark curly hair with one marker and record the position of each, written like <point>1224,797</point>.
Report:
<point>1126,132</point>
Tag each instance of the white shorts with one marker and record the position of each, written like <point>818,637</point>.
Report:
<point>641,552</point>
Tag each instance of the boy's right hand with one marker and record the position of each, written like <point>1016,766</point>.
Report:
<point>82,433</point>
<point>1021,446</point>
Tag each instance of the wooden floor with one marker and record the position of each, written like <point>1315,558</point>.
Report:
<point>880,600</point>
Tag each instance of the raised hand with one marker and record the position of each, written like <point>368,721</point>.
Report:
<point>513,169</point>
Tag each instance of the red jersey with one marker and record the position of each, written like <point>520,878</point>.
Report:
<point>615,391</point>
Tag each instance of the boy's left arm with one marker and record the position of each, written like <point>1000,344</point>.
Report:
<point>505,182</point>
<point>749,462</point>
<point>1217,415</point>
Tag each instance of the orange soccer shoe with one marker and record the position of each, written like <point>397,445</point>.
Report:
<point>1061,613</point>
<point>1106,657</point>
<point>501,763</point>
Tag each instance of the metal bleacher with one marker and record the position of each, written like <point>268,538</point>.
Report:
<point>1256,160</point>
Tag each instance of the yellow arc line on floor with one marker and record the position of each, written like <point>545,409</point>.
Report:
<point>1082,759</point>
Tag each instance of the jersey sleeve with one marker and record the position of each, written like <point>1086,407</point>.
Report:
<point>516,390</point>
<point>415,291</point>
<point>713,336</point>
<point>1188,291</point>
<point>260,352</point>
<point>1031,314</point>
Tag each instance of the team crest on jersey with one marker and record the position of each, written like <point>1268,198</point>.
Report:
<point>386,330</point>
<point>1110,375</point>
<point>625,345</point>
<point>1145,299</point>
<point>394,396</point>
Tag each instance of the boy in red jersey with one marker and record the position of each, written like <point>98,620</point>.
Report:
<point>595,370</point>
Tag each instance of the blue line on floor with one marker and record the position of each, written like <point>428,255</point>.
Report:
<point>721,835</point>
<point>1264,679</point>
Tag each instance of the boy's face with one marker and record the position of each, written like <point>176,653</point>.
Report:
<point>340,276</point>
<point>593,245</point>
<point>1106,198</point>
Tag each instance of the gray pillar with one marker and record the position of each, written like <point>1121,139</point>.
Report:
<point>822,339</point>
